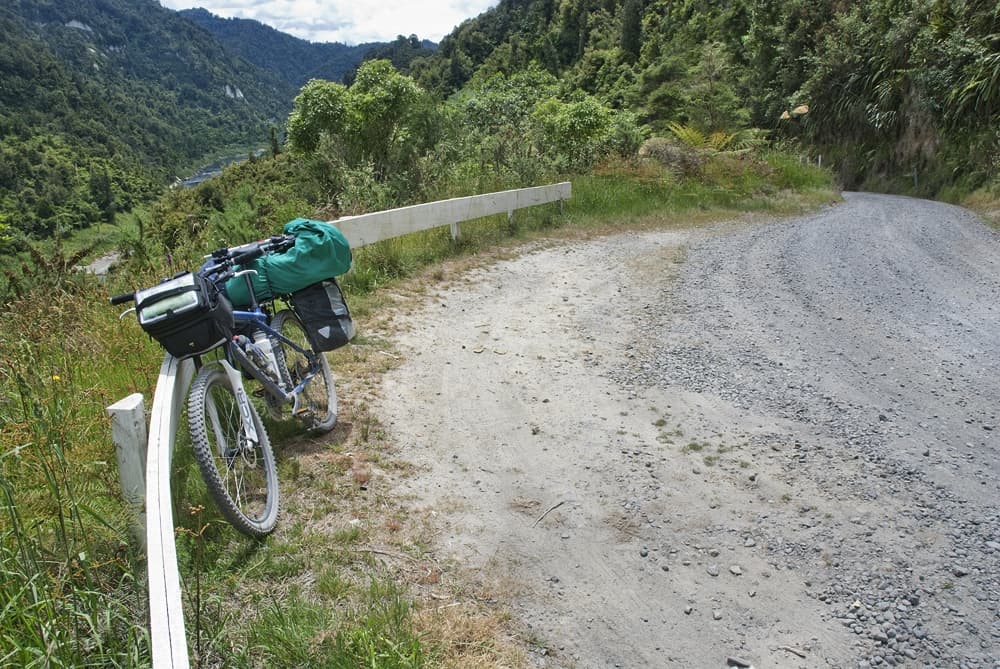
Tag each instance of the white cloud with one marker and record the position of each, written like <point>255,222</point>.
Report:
<point>346,21</point>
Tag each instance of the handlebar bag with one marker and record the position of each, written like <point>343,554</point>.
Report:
<point>323,312</point>
<point>320,251</point>
<point>187,315</point>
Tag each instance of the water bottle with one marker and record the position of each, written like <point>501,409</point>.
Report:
<point>267,362</point>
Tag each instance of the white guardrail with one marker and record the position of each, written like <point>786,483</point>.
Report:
<point>144,465</point>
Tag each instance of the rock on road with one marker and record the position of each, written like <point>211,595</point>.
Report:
<point>772,440</point>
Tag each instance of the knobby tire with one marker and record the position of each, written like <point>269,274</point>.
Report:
<point>241,477</point>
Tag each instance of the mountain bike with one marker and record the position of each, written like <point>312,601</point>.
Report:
<point>191,317</point>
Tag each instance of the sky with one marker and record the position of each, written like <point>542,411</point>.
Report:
<point>346,21</point>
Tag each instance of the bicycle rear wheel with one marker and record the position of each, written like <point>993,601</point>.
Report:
<point>240,474</point>
<point>318,402</point>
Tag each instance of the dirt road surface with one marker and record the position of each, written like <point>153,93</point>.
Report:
<point>762,442</point>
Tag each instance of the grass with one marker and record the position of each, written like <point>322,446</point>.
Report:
<point>986,203</point>
<point>346,580</point>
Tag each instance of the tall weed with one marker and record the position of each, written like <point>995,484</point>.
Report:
<point>70,598</point>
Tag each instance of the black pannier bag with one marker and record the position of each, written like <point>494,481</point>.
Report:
<point>186,314</point>
<point>324,314</point>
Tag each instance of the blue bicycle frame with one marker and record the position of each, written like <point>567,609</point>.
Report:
<point>257,319</point>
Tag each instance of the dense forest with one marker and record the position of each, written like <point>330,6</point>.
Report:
<point>101,103</point>
<point>900,94</point>
<point>296,61</point>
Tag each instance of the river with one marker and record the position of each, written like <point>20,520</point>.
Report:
<point>214,169</point>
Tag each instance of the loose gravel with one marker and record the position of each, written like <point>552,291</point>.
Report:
<point>758,442</point>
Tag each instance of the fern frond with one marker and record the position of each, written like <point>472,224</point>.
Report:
<point>688,135</point>
<point>719,140</point>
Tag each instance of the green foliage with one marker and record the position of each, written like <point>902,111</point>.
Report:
<point>695,138</point>
<point>907,87</point>
<point>102,102</point>
<point>379,106</point>
<point>248,201</point>
<point>497,117</point>
<point>384,639</point>
<point>401,52</point>
<point>631,40</point>
<point>370,122</point>
<point>894,87</point>
<point>320,109</point>
<point>575,131</point>
<point>711,101</point>
<point>68,591</point>
<point>295,61</point>
<point>5,238</point>
<point>788,172</point>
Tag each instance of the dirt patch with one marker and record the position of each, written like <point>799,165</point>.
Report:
<point>668,448</point>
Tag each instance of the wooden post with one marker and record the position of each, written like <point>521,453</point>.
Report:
<point>128,433</point>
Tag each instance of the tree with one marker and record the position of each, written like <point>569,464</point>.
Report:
<point>576,131</point>
<point>378,106</point>
<point>275,147</point>
<point>711,103</point>
<point>5,237</point>
<point>101,193</point>
<point>631,41</point>
<point>320,109</point>
<point>498,111</point>
<point>368,122</point>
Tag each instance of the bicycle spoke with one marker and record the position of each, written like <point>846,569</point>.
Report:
<point>240,474</point>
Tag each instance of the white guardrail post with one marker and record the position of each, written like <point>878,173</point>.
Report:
<point>145,465</point>
<point>128,433</point>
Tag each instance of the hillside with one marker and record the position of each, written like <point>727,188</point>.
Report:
<point>903,95</point>
<point>295,61</point>
<point>103,101</point>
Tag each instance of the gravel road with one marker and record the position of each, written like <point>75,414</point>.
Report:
<point>761,442</point>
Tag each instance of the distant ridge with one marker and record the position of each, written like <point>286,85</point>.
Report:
<point>104,101</point>
<point>294,60</point>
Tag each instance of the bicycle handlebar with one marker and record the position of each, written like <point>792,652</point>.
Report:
<point>122,299</point>
<point>227,258</point>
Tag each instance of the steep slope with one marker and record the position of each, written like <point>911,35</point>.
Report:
<point>293,60</point>
<point>101,101</point>
<point>903,95</point>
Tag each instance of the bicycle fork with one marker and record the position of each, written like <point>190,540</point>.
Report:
<point>242,401</point>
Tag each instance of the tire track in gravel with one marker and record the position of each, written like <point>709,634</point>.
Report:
<point>775,440</point>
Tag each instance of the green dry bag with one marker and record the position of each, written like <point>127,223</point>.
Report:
<point>321,251</point>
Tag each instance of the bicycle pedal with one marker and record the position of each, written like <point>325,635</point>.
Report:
<point>259,391</point>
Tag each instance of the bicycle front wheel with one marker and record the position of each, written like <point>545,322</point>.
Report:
<point>318,401</point>
<point>240,473</point>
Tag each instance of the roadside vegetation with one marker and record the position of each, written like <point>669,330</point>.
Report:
<point>347,580</point>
